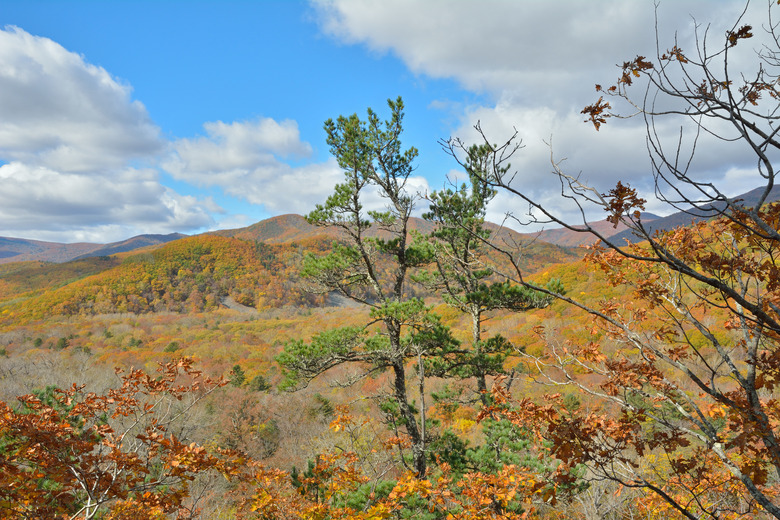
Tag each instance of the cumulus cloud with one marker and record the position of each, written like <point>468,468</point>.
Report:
<point>618,152</point>
<point>75,147</point>
<point>538,63</point>
<point>37,202</point>
<point>248,160</point>
<point>542,53</point>
<point>235,147</point>
<point>69,132</point>
<point>540,50</point>
<point>60,112</point>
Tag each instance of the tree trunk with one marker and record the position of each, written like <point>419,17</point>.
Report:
<point>476,338</point>
<point>418,443</point>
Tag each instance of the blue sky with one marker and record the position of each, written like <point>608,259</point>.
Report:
<point>119,118</point>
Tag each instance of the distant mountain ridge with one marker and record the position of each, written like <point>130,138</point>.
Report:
<point>20,249</point>
<point>131,244</point>
<point>620,234</point>
<point>251,268</point>
<point>571,238</point>
<point>23,250</point>
<point>289,228</point>
<point>292,228</point>
<point>279,230</point>
<point>749,199</point>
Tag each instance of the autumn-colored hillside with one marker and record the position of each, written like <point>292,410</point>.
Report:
<point>232,303</point>
<point>21,278</point>
<point>251,268</point>
<point>190,275</point>
<point>226,300</point>
<point>279,230</point>
<point>578,236</point>
<point>402,371</point>
<point>291,228</point>
<point>23,250</point>
<point>149,308</point>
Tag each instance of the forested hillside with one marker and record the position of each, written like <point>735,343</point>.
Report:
<point>360,364</point>
<point>289,431</point>
<point>258,269</point>
<point>189,275</point>
<point>22,250</point>
<point>231,304</point>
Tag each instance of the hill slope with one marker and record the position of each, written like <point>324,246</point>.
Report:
<point>23,278</point>
<point>283,229</point>
<point>131,244</point>
<point>23,250</point>
<point>685,219</point>
<point>255,267</point>
<point>190,275</point>
<point>286,229</point>
<point>570,238</point>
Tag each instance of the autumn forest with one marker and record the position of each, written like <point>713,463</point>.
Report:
<point>417,361</point>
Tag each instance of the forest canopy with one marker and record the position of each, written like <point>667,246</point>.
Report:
<point>450,380</point>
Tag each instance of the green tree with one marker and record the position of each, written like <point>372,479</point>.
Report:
<point>259,384</point>
<point>372,266</point>
<point>461,243</point>
<point>62,344</point>
<point>237,376</point>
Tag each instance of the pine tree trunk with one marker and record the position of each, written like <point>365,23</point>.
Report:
<point>476,339</point>
<point>418,444</point>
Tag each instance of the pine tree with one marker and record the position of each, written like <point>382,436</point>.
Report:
<point>372,266</point>
<point>464,278</point>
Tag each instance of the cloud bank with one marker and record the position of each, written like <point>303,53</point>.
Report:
<point>538,62</point>
<point>71,138</point>
<point>80,159</point>
<point>249,160</point>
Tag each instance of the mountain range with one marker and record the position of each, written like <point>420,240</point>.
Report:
<point>22,250</point>
<point>294,228</point>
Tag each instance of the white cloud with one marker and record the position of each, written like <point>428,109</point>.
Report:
<point>235,147</point>
<point>232,221</point>
<point>539,62</point>
<point>541,50</point>
<point>416,186</point>
<point>37,202</point>
<point>63,113</point>
<point>247,160</point>
<point>544,53</point>
<point>618,152</point>
<point>75,143</point>
<point>69,133</point>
